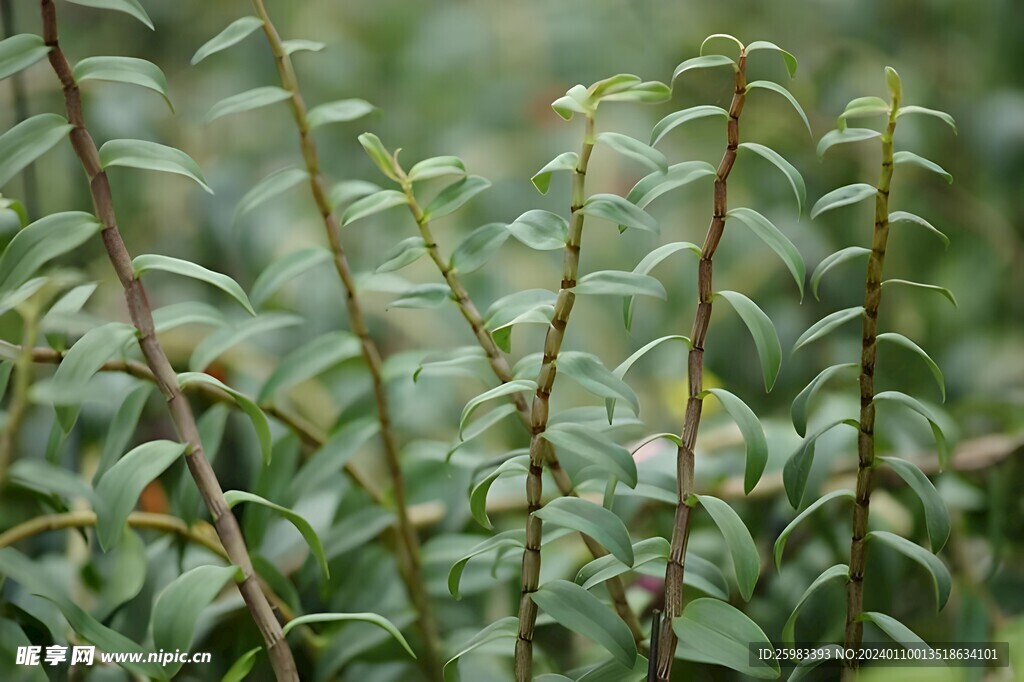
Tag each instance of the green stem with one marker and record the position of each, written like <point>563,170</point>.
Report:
<point>22,381</point>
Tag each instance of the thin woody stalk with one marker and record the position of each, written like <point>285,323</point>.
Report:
<point>866,433</point>
<point>666,646</point>
<point>141,315</point>
<point>539,416</point>
<point>409,560</point>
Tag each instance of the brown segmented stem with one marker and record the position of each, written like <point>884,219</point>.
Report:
<point>141,315</point>
<point>666,647</point>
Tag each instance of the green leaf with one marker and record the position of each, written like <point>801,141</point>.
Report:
<point>300,45</point>
<point>575,101</point>
<point>753,436</point>
<point>678,118</point>
<point>776,241</point>
<point>40,476</point>
<point>636,150</point>
<point>780,543</point>
<point>477,247</point>
<point>903,341</point>
<point>251,409</point>
<point>589,372</point>
<point>621,82</point>
<point>130,7</point>
<point>514,466</point>
<point>577,609</point>
<point>654,185</point>
<point>379,621</point>
<point>592,519</point>
<point>481,426</point>
<point>799,409</point>
<point>119,489</point>
<point>775,87</point>
<point>916,406</point>
<point>620,211</point>
<point>437,167</point>
<point>705,62</point>
<point>342,111</point>
<point>178,606</point>
<point>761,328</point>
<point>844,196</point>
<point>246,101</point>
<point>618,283</point>
<point>563,162</point>
<point>509,388</point>
<point>927,287</point>
<point>454,196</point>
<point>941,115</point>
<point>820,655</point>
<point>342,445</point>
<point>374,203</point>
<point>831,574</point>
<point>737,538</point>
<point>242,666</point>
<point>893,82</point>
<point>310,360</point>
<point>27,141</point>
<point>41,242</point>
<point>122,428</point>
<point>798,466</point>
<point>827,324</point>
<point>149,262</point>
<point>844,136</point>
<point>863,107</point>
<point>286,268</point>
<point>504,628</point>
<point>380,155</point>
<point>935,513</point>
<point>540,230</point>
<point>460,361</point>
<point>647,91</point>
<point>796,181</point>
<point>531,306</point>
<point>510,540</point>
<point>915,160</point>
<point>899,632</point>
<point>595,448</point>
<point>236,31</point>
<point>151,156</point>
<point>423,296</point>
<point>124,70</point>
<point>941,579</point>
<point>235,497</point>
<point>347,191</point>
<point>608,567</point>
<point>625,365</point>
<point>269,188</point>
<point>712,631</point>
<point>20,52</point>
<point>829,262</point>
<point>405,252</point>
<point>789,59</point>
<point>648,263</point>
<point>905,217</point>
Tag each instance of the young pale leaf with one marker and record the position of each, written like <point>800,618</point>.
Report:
<point>462,361</point>
<point>504,628</point>
<point>862,107</point>
<point>618,283</point>
<point>380,155</point>
<point>916,405</point>
<point>41,242</point>
<point>477,247</point>
<point>678,118</point>
<point>246,101</point>
<point>844,136</point>
<point>122,428</point>
<point>151,156</point>
<point>608,567</point>
<point>405,252</point>
<point>753,436</point>
<point>251,409</point>
<point>654,185</point>
<point>941,115</point>
<point>347,191</point>
<point>905,217</point>
<point>644,267</point>
<point>789,59</point>
<point>497,392</point>
<point>119,489</point>
<point>776,241</point>
<point>935,513</point>
<point>775,87</point>
<point>941,579</point>
<point>780,543</point>
<point>801,402</point>
<point>829,575</point>
<point>636,150</point>
<point>827,324</point>
<point>704,62</point>
<point>341,111</point>
<point>737,538</point>
<point>27,141</point>
<point>648,91</point>
<point>522,307</point>
<point>269,188</point>
<point>620,211</point>
<point>20,52</point>
<point>899,632</point>
<point>563,162</point>
<point>593,520</point>
<point>437,167</point>
<point>595,448</point>
<point>540,230</point>
<point>514,466</point>
<point>621,370</point>
<point>509,540</point>
<point>927,287</point>
<point>915,160</point>
<point>284,269</point>
<point>242,666</point>
<point>798,466</point>
<point>829,262</point>
<point>374,203</point>
<point>310,360</point>
<point>577,609</point>
<point>769,350</point>
<point>589,372</point>
<point>622,82</point>
<point>901,340</point>
<point>149,262</point>
<point>235,32</point>
<point>379,621</point>
<point>300,45</point>
<point>130,7</point>
<point>712,631</point>
<point>844,196</point>
<point>235,497</point>
<point>796,181</point>
<point>454,196</point>
<point>124,70</point>
<point>423,296</point>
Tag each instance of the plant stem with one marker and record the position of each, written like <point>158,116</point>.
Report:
<point>695,376</point>
<point>539,448</point>
<point>408,541</point>
<point>22,371</point>
<point>866,433</point>
<point>141,315</point>
<point>28,175</point>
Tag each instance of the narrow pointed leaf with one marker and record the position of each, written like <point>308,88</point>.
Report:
<point>618,283</point>
<point>844,196</point>
<point>776,241</point>
<point>903,341</point>
<point>379,154</point>
<point>618,210</point>
<point>342,111</point>
<point>769,350</point>
<point>834,137</point>
<point>593,520</point>
<point>905,217</point>
<point>712,631</point>
<point>509,388</point>
<point>648,263</point>
<point>27,141</point>
<point>737,538</point>
<point>269,188</point>
<point>347,191</point>
<point>123,70</point>
<point>509,540</point>
<point>232,35</point>
<point>608,567</point>
<point>624,366</point>
<point>915,160</point>
<point>753,436</point>
<point>636,150</point>
<point>540,230</point>
<point>704,62</point>
<point>247,101</point>
<point>775,87</point>
<point>242,666</point>
<point>827,324</point>
<point>375,619</point>
<point>647,91</point>
<point>41,242</point>
<point>799,409</point>
<point>654,185</point>
<point>251,409</point>
<point>789,59</point>
<point>829,262</point>
<point>839,572</point>
<point>20,52</point>
<point>798,466</point>
<point>590,373</point>
<point>720,36</point>
<point>916,405</point>
<point>678,118</point>
<point>310,360</point>
<point>454,196</point>
<point>218,343</point>
<point>935,513</point>
<point>285,268</point>
<point>578,610</point>
<point>504,628</point>
<point>147,155</point>
<point>514,466</point>
<point>941,580</point>
<point>122,428</point>
<point>374,203</point>
<point>595,448</point>
<point>896,630</point>
<point>235,497</point>
<point>155,262</point>
<point>927,287</point>
<point>405,252</point>
<point>563,162</point>
<point>863,107</point>
<point>423,296</point>
<point>780,543</point>
<point>477,247</point>
<point>437,167</point>
<point>793,176</point>
<point>941,115</point>
<point>301,45</point>
<point>130,7</point>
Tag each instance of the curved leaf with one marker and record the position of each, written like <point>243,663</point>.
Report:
<point>863,107</point>
<point>916,406</point>
<point>607,567</point>
<point>648,263</point>
<point>41,242</point>
<point>915,160</point>
<point>588,371</point>
<point>374,203</point>
<point>592,519</point>
<point>789,59</point>
<point>712,631</point>
<point>806,666</point>
<point>436,167</point>
<point>510,540</point>
<point>935,513</point>
<point>829,262</point>
<point>619,283</point>
<point>941,115</point>
<point>624,366</point>
<point>753,436</point>
<point>246,101</point>
<point>798,466</point>
<point>423,296</point>
<point>566,161</point>
<point>903,341</point>
<point>122,428</point>
<point>827,324</point>
<point>654,185</point>
<point>899,632</point>
<point>149,262</point>
<point>270,187</point>
<point>286,268</point>
<point>577,609</point>
<point>793,176</point>
<point>834,137</point>
<point>927,287</point>
<point>380,155</point>
<point>798,411</point>
<point>405,252</point>
<point>780,543</point>
<point>540,230</point>
<point>310,360</point>
<point>379,621</point>
<point>454,196</point>
<point>124,70</point>
<point>941,579</point>
<point>832,574</point>
<point>775,87</point>
<point>776,241</point>
<point>504,628</point>
<point>235,32</point>
<point>341,111</point>
<point>235,497</point>
<point>27,141</point>
<point>704,62</point>
<point>20,52</point>
<point>509,388</point>
<point>300,45</point>
<point>514,466</point>
<point>251,409</point>
<point>737,538</point>
<point>477,247</point>
<point>130,7</point>
<point>616,209</point>
<point>678,118</point>
<point>218,343</point>
<point>151,156</point>
<point>636,150</point>
<point>905,217</point>
<point>242,666</point>
<point>769,350</point>
<point>844,196</point>
<point>595,448</point>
